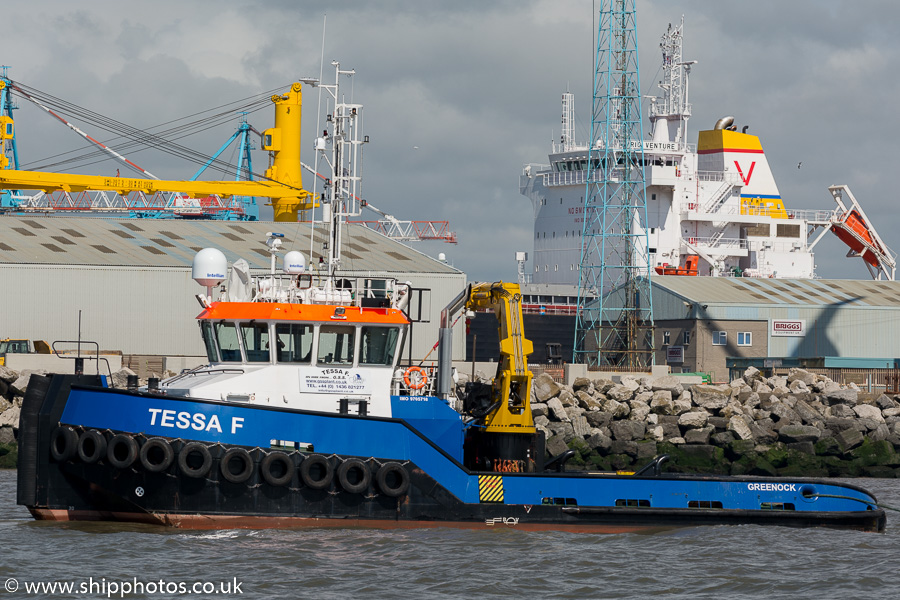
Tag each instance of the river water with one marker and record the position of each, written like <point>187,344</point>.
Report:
<point>102,560</point>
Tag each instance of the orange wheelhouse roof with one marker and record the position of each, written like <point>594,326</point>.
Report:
<point>322,313</point>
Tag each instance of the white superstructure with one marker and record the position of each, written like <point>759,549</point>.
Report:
<point>713,205</point>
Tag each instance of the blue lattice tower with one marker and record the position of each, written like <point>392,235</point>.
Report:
<point>615,316</point>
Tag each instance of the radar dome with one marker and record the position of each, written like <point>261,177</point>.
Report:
<point>294,263</point>
<point>209,267</point>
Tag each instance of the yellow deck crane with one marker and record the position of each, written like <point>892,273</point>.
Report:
<point>283,184</point>
<point>501,436</point>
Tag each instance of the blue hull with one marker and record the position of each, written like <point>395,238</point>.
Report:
<point>426,445</point>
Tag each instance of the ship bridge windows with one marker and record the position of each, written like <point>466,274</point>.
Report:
<point>294,341</point>
<point>209,341</point>
<point>226,334</point>
<point>378,345</point>
<point>256,341</point>
<point>336,343</point>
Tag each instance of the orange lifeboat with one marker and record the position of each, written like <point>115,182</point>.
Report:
<point>862,241</point>
<point>691,264</point>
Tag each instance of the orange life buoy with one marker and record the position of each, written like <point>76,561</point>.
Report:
<point>419,380</point>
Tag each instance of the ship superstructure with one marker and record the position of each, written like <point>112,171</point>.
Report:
<point>713,208</point>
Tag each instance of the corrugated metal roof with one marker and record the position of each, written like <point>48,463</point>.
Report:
<point>173,243</point>
<point>795,292</point>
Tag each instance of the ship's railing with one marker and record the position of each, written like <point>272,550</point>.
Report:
<point>313,288</point>
<point>718,176</point>
<point>816,216</point>
<point>743,244</point>
<point>565,178</point>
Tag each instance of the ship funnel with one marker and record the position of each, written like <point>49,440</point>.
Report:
<point>724,123</point>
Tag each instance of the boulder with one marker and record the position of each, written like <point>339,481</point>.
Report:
<point>7,374</point>
<point>586,401</point>
<point>619,410</point>
<point>798,387</point>
<point>841,396</point>
<point>656,432</point>
<point>790,434</point>
<point>842,411</point>
<point>867,411</point>
<point>723,438</point>
<point>693,420</point>
<point>10,417</point>
<point>740,426</point>
<point>639,412</point>
<point>544,387</point>
<point>805,377</point>
<point>563,430</point>
<point>807,414</point>
<point>885,402</point>
<point>849,438</point>
<point>628,447</point>
<point>627,430</point>
<point>567,398</point>
<point>667,384</point>
<point>599,442</point>
<point>621,393</point>
<point>581,426</point>
<point>7,435</point>
<point>541,421</point>
<point>752,375</point>
<point>582,384</point>
<point>698,436</point>
<point>120,377</point>
<point>661,403</point>
<point>556,446</point>
<point>783,415</point>
<point>539,409</point>
<point>557,411</point>
<point>598,418</point>
<point>711,397</point>
<point>646,450</point>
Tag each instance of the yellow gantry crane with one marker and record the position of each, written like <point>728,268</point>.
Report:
<point>283,184</point>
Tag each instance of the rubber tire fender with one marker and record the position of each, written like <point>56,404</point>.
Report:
<point>187,469</point>
<point>265,468</point>
<point>161,444</point>
<point>343,473</point>
<point>383,475</point>
<point>307,466</point>
<point>92,439</point>
<point>112,453</point>
<point>242,475</point>
<point>63,443</point>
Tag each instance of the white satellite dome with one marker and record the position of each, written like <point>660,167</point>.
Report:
<point>294,263</point>
<point>209,267</point>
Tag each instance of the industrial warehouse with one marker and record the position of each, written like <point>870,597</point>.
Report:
<point>129,282</point>
<point>703,321</point>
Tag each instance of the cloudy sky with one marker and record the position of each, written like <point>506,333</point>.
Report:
<point>459,95</point>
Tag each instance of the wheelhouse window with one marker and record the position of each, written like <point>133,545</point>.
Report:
<point>209,341</point>
<point>256,341</point>
<point>226,334</point>
<point>336,343</point>
<point>378,345</point>
<point>294,342</point>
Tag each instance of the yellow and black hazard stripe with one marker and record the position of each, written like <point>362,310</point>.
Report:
<point>490,488</point>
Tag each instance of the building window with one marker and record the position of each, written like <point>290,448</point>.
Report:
<point>720,338</point>
<point>556,268</point>
<point>745,338</point>
<point>665,338</point>
<point>687,337</point>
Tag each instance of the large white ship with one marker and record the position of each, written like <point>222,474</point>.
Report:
<point>713,208</point>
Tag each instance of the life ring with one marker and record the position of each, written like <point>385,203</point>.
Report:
<point>91,446</point>
<point>63,443</point>
<point>392,479</point>
<point>246,468</point>
<point>157,455</point>
<point>121,451</point>
<point>356,469</point>
<point>419,380</point>
<point>187,467</point>
<point>270,469</point>
<point>308,472</point>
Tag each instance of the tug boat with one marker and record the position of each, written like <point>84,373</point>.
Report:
<point>304,416</point>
